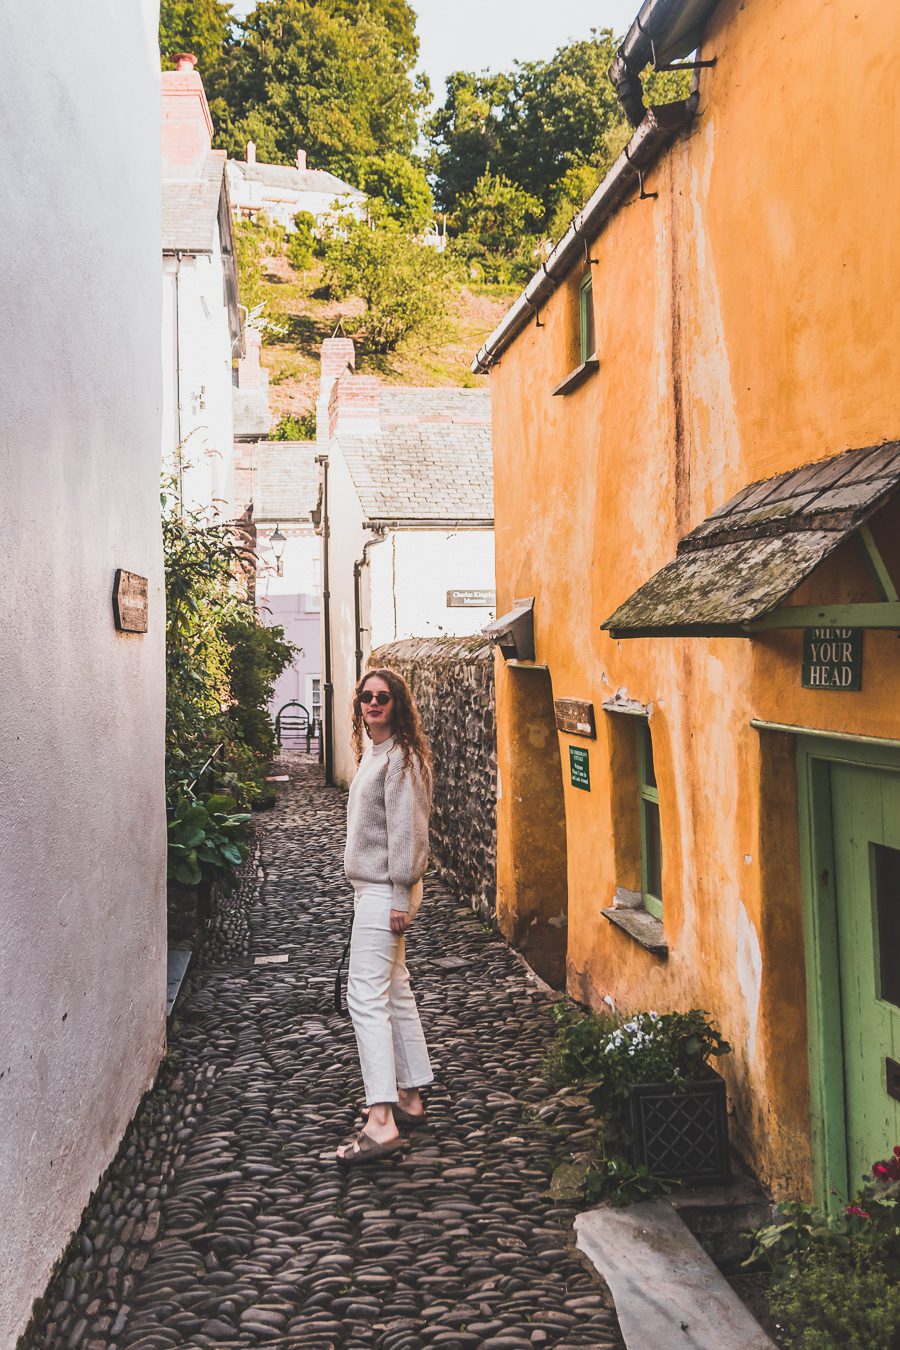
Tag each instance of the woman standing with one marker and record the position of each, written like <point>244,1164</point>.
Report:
<point>385,858</point>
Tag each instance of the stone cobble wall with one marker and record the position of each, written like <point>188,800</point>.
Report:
<point>452,680</point>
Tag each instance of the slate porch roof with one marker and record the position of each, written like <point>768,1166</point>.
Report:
<point>747,557</point>
<point>281,478</point>
<point>430,459</point>
<point>190,208</point>
<point>288,178</point>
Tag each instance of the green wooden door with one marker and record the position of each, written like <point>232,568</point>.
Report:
<point>866,831</point>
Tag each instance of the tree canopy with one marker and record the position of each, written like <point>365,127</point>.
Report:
<point>536,123</point>
<point>202,27</point>
<point>329,77</point>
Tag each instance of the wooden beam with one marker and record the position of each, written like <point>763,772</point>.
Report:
<point>877,565</point>
<point>883,614</point>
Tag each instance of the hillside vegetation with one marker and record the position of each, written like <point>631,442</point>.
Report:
<point>303,314</point>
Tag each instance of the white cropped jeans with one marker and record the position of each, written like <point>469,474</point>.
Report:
<point>389,1036</point>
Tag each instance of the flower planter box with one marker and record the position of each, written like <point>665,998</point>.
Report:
<point>681,1131</point>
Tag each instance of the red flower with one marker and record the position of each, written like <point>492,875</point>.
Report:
<point>857,1212</point>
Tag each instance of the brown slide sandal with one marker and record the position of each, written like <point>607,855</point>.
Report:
<point>362,1148</point>
<point>408,1121</point>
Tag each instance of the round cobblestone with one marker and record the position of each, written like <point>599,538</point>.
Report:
<point>225,1220</point>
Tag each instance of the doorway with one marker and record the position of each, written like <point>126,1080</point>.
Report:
<point>851,820</point>
<point>532,891</point>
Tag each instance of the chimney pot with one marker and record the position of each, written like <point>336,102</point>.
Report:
<point>251,152</point>
<point>185,61</point>
<point>301,160</point>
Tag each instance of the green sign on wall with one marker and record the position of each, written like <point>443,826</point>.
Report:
<point>580,768</point>
<point>832,658</point>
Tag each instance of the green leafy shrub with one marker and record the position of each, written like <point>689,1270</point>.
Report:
<point>301,244</point>
<point>220,660</point>
<point>258,656</point>
<point>407,287</point>
<point>291,427</point>
<point>870,1224</point>
<point>398,189</point>
<point>207,841</point>
<point>835,1275</point>
<point>824,1304</point>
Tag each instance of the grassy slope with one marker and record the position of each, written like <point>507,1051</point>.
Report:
<point>293,359</point>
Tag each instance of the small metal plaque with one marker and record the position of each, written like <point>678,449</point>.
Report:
<point>130,602</point>
<point>580,767</point>
<point>463,599</point>
<point>892,1078</point>
<point>575,716</point>
<point>832,658</point>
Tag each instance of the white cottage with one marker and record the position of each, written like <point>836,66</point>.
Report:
<point>279,191</point>
<point>407,516</point>
<point>202,326</point>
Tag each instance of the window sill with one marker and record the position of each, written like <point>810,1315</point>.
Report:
<point>577,376</point>
<point>644,928</point>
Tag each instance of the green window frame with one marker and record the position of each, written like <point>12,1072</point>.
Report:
<point>586,333</point>
<point>651,839</point>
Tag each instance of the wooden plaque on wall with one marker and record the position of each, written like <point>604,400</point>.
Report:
<point>575,716</point>
<point>130,602</point>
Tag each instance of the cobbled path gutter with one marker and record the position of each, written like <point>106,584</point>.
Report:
<point>225,1222</point>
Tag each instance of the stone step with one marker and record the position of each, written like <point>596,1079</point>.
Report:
<point>720,1216</point>
<point>667,1291</point>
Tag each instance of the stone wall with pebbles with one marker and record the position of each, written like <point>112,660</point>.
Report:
<point>452,680</point>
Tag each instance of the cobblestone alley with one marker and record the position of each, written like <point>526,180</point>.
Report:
<point>225,1221</point>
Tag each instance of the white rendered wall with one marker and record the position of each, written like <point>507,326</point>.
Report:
<point>82,821</point>
<point>410,574</point>
<point>204,344</point>
<point>293,600</point>
<point>346,545</point>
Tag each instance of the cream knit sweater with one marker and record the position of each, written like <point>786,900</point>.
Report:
<point>387,823</point>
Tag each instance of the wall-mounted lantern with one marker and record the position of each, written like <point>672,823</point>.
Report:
<point>278,542</point>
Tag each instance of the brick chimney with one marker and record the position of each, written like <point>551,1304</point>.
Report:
<point>301,160</point>
<point>354,405</point>
<point>338,355</point>
<point>251,152</point>
<point>187,127</point>
<point>250,371</point>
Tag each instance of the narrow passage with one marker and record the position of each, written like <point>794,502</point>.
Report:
<point>225,1221</point>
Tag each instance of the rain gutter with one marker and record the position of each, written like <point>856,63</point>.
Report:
<point>662,29</point>
<point>660,125</point>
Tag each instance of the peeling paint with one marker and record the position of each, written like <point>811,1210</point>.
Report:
<point>749,973</point>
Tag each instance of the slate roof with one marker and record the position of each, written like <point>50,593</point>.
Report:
<point>289,178</point>
<point>190,208</point>
<point>283,480</point>
<point>747,557</point>
<point>431,458</point>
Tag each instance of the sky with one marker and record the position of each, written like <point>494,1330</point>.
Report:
<point>491,34</point>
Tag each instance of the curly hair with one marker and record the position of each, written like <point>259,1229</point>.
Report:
<point>406,724</point>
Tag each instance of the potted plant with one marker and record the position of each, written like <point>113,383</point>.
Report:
<point>650,1079</point>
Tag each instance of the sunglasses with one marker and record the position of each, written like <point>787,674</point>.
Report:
<point>381,698</point>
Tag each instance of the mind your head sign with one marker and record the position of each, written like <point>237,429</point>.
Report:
<point>832,658</point>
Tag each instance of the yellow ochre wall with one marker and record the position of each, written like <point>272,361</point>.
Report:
<point>746,325</point>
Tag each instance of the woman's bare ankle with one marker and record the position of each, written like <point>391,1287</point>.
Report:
<point>380,1124</point>
<point>411,1101</point>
